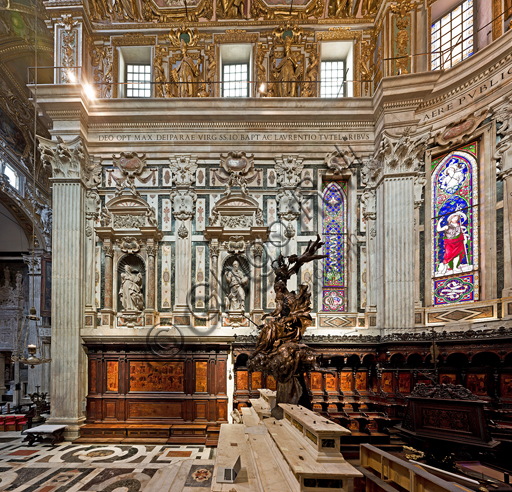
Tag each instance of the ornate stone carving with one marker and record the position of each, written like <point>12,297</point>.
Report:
<point>461,130</point>
<point>401,10</point>
<point>214,250</point>
<point>183,169</point>
<point>236,281</point>
<point>503,114</point>
<point>236,245</point>
<point>131,290</point>
<point>257,250</point>
<point>108,250</point>
<point>339,161</point>
<point>288,170</point>
<point>368,204</point>
<point>131,165</point>
<point>238,167</point>
<point>182,231</point>
<point>236,222</point>
<point>370,172</point>
<point>33,263</point>
<point>11,292</point>
<point>310,87</point>
<point>289,203</point>
<point>129,221</point>
<point>419,183</point>
<point>183,203</point>
<point>404,154</point>
<point>69,160</point>
<point>129,244</point>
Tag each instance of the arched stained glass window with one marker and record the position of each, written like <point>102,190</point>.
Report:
<point>335,239</point>
<point>455,276</point>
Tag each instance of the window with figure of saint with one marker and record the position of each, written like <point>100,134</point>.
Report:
<point>454,226</point>
<point>334,281</point>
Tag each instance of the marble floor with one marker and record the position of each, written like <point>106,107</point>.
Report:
<point>103,468</point>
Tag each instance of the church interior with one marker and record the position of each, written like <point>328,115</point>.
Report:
<point>255,245</point>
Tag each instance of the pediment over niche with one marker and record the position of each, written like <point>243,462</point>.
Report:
<point>128,213</point>
<point>237,213</point>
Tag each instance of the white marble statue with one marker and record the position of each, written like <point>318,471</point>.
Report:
<point>235,300</point>
<point>131,290</point>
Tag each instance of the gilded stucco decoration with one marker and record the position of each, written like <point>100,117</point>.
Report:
<point>231,9</point>
<point>281,9</point>
<point>101,61</point>
<point>402,36</point>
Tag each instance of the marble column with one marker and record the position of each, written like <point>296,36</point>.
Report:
<point>69,374</point>
<point>151,251</point>
<point>214,301</point>
<point>257,251</point>
<point>369,213</point>
<point>108,309</point>
<point>395,244</point>
<point>91,215</point>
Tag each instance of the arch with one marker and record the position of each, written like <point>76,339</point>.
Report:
<point>369,360</point>
<point>241,360</point>
<point>414,360</point>
<point>353,361</point>
<point>23,215</point>
<point>454,229</point>
<point>507,361</point>
<point>334,229</point>
<point>485,359</point>
<point>457,359</point>
<point>397,360</point>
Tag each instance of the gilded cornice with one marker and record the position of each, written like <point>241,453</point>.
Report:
<point>335,34</point>
<point>236,36</point>
<point>134,39</point>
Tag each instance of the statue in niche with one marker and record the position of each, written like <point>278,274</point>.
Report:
<point>131,290</point>
<point>279,351</point>
<point>287,73</point>
<point>310,86</point>
<point>187,74</point>
<point>237,280</point>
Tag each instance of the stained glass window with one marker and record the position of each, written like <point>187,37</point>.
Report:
<point>334,236</point>
<point>455,276</point>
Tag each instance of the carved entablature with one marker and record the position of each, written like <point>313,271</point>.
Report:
<point>129,222</point>
<point>236,216</point>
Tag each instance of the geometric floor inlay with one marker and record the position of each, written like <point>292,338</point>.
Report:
<point>103,468</point>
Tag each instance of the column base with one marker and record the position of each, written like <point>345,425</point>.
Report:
<point>107,317</point>
<point>91,318</point>
<point>73,430</point>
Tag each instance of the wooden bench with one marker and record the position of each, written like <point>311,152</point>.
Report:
<point>45,432</point>
<point>188,434</point>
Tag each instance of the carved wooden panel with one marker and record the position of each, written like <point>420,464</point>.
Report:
<point>201,407</point>
<point>448,378</point>
<point>506,385</point>
<point>256,380</point>
<point>113,376</point>
<point>241,381</point>
<point>155,410</point>
<point>110,410</point>
<point>330,383</point>
<point>201,377</point>
<point>478,383</point>
<point>93,374</point>
<point>387,382</point>
<point>404,382</point>
<point>221,378</point>
<point>316,381</point>
<point>222,410</point>
<point>156,376</point>
<point>361,381</point>
<point>346,381</point>
<point>271,383</point>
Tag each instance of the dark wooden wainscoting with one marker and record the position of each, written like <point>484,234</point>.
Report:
<point>136,394</point>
